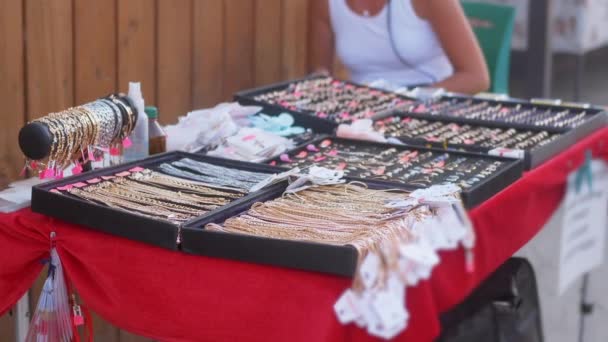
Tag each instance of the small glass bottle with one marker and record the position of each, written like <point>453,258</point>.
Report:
<point>157,136</point>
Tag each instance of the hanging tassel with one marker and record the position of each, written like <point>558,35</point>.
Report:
<point>52,321</point>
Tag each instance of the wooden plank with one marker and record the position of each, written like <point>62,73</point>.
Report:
<point>94,49</point>
<point>238,48</point>
<point>49,56</point>
<point>208,53</point>
<point>12,88</point>
<point>174,52</point>
<point>295,38</point>
<point>7,324</point>
<point>268,42</point>
<point>137,46</point>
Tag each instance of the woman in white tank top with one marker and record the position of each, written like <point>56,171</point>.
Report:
<point>432,42</point>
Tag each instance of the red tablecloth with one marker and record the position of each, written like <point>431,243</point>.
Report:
<point>172,296</point>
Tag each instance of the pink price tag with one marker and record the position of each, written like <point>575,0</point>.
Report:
<point>420,109</point>
<point>47,173</point>
<point>59,174</point>
<point>123,174</point>
<point>78,320</point>
<point>94,181</point>
<point>341,166</point>
<point>249,137</point>
<point>322,115</point>
<point>114,151</point>
<point>65,188</point>
<point>332,153</point>
<point>285,158</point>
<point>90,155</point>
<point>79,185</point>
<point>468,142</point>
<point>320,158</point>
<point>126,142</point>
<point>77,169</point>
<point>137,169</point>
<point>107,177</point>
<point>345,115</point>
<point>273,163</point>
<point>34,164</point>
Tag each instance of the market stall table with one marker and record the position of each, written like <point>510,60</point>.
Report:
<point>171,296</point>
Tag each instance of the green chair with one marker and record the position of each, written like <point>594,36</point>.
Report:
<point>493,26</point>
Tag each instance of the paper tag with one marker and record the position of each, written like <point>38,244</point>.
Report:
<point>77,169</point>
<point>583,234</point>
<point>548,102</point>
<point>387,333</point>
<point>127,143</point>
<point>369,269</point>
<point>276,178</point>
<point>367,310</point>
<point>78,318</point>
<point>491,96</point>
<point>420,253</point>
<point>390,311</point>
<point>137,169</point>
<point>114,151</point>
<point>508,152</point>
<point>347,307</point>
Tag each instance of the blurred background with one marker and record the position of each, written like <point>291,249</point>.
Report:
<point>196,53</point>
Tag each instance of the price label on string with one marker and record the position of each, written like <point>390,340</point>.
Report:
<point>583,231</point>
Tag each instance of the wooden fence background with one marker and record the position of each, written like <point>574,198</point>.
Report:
<point>188,54</point>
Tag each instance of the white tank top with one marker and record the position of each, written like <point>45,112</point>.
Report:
<point>363,45</point>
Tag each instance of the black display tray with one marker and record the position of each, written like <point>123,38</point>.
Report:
<point>122,223</point>
<point>532,158</point>
<point>477,194</point>
<point>309,256</point>
<point>303,119</point>
<point>597,116</point>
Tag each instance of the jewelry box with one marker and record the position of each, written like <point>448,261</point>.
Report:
<point>56,199</point>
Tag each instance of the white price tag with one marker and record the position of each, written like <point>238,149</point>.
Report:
<point>390,311</point>
<point>347,308</point>
<point>583,235</point>
<point>369,270</point>
<point>508,152</point>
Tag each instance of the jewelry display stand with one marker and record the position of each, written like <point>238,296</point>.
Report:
<point>507,173</point>
<point>121,222</point>
<point>305,119</point>
<point>532,157</point>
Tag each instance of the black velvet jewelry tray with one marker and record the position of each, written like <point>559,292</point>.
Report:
<point>302,118</point>
<point>123,223</point>
<point>308,256</point>
<point>532,157</point>
<point>509,172</point>
<point>596,117</point>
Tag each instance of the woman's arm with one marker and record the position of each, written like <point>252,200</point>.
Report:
<point>459,43</point>
<point>321,38</point>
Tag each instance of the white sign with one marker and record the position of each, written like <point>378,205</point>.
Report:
<point>583,226</point>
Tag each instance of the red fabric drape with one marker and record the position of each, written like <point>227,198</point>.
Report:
<point>172,296</point>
